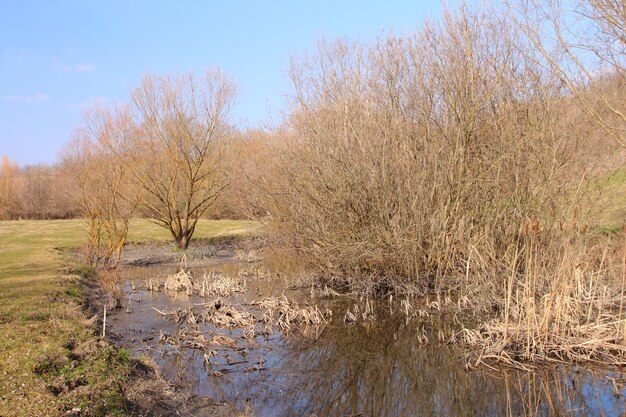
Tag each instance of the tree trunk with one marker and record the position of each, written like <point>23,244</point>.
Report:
<point>184,240</point>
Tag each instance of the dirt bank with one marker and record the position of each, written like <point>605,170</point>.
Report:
<point>201,253</point>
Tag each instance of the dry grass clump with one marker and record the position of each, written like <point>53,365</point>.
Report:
<point>220,315</point>
<point>563,305</point>
<point>279,312</point>
<point>180,315</point>
<point>222,285</point>
<point>229,317</point>
<point>211,284</point>
<point>358,312</point>
<point>249,256</point>
<point>194,339</point>
<point>181,281</point>
<point>285,313</point>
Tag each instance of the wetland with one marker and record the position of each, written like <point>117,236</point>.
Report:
<point>228,326</point>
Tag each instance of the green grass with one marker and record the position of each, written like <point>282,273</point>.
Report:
<point>611,202</point>
<point>41,321</point>
<point>143,231</point>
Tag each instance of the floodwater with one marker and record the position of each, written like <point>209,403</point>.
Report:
<point>382,367</point>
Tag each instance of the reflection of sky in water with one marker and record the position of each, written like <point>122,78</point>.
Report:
<point>378,369</point>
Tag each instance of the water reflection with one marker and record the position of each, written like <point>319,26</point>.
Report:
<point>377,368</point>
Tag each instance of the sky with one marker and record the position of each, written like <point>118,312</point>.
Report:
<point>59,57</point>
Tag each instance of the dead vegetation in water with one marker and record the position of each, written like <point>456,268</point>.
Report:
<point>561,301</point>
<point>194,339</point>
<point>359,312</point>
<point>223,316</point>
<point>229,317</point>
<point>394,175</point>
<point>179,315</point>
<point>222,285</point>
<point>242,327</point>
<point>286,314</point>
<point>248,256</point>
<point>278,312</point>
<point>535,315</point>
<point>211,284</point>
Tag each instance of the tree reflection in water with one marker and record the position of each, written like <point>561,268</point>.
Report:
<point>376,368</point>
<point>380,369</point>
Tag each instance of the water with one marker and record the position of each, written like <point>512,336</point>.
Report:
<point>374,368</point>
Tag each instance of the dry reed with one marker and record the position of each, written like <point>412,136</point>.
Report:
<point>286,314</point>
<point>211,284</point>
<point>568,312</point>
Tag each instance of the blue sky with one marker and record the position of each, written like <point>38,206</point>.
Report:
<point>57,57</point>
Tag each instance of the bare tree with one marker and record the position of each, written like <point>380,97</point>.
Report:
<point>583,43</point>
<point>175,160</point>
<point>100,181</point>
<point>249,165</point>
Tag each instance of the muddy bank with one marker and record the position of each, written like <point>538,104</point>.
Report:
<point>318,354</point>
<point>201,253</point>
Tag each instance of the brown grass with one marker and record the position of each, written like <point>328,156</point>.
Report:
<point>566,306</point>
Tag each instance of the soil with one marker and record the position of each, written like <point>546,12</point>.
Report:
<point>151,395</point>
<point>199,254</point>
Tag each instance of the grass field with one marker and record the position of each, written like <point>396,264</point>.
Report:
<point>613,199</point>
<point>41,321</point>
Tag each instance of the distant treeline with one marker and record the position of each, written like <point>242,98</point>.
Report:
<point>44,192</point>
<point>34,192</point>
<point>48,191</point>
